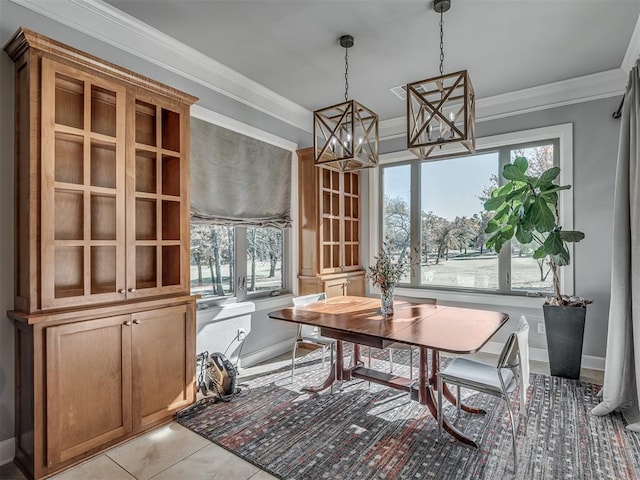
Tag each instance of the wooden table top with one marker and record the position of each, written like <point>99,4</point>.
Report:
<point>449,329</point>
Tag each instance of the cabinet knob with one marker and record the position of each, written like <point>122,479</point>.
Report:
<point>132,290</point>
<point>127,323</point>
<point>122,291</point>
<point>136,321</point>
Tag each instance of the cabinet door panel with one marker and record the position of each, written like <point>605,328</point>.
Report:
<point>163,362</point>
<point>158,193</point>
<point>83,187</point>
<point>88,373</point>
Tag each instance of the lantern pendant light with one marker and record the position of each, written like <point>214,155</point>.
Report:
<point>345,136</point>
<point>441,110</point>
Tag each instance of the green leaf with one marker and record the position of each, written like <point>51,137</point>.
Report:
<point>492,226</point>
<point>494,203</point>
<point>523,235</point>
<point>550,198</point>
<point>542,216</point>
<point>549,176</point>
<point>521,164</point>
<point>540,253</point>
<point>571,235</point>
<point>554,188</point>
<point>511,172</point>
<point>553,244</point>
<point>518,192</point>
<point>563,258</point>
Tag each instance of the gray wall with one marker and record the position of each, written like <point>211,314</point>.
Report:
<point>595,149</point>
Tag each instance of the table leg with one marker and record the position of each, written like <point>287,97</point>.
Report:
<point>426,385</point>
<point>336,373</point>
<point>435,368</point>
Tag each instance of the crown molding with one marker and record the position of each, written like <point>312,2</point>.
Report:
<point>109,25</point>
<point>633,50</point>
<point>566,92</point>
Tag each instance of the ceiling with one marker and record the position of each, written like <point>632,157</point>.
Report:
<point>291,46</point>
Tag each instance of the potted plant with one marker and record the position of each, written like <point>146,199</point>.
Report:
<point>526,207</point>
<point>385,273</point>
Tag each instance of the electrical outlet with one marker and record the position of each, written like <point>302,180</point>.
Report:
<point>241,333</point>
<point>541,329</point>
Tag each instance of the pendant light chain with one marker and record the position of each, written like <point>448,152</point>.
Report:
<point>441,44</point>
<point>346,73</point>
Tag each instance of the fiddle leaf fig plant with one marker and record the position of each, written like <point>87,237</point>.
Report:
<point>526,207</point>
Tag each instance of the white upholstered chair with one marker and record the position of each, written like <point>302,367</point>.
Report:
<point>308,334</point>
<point>511,371</point>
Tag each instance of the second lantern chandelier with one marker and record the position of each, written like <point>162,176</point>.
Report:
<point>345,135</point>
<point>441,110</point>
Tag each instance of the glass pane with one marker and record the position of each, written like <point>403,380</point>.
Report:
<point>212,257</point>
<point>453,222</point>
<point>396,211</point>
<point>528,274</point>
<point>265,248</point>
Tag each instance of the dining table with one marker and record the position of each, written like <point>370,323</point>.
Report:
<point>431,328</point>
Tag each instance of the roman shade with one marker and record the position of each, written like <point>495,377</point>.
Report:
<point>238,180</point>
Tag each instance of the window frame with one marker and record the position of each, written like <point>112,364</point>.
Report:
<point>290,248</point>
<point>561,135</point>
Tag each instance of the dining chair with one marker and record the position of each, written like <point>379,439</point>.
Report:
<point>309,334</point>
<point>511,371</point>
<point>404,346</point>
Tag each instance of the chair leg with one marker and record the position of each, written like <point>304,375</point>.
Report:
<point>458,402</point>
<point>391,360</point>
<point>333,364</point>
<point>410,363</point>
<point>293,360</point>
<point>439,410</point>
<point>513,435</point>
<point>324,354</point>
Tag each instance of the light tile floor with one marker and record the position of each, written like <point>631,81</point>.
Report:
<point>174,452</point>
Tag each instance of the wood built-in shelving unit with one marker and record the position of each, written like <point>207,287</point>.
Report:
<point>105,324</point>
<point>329,229</point>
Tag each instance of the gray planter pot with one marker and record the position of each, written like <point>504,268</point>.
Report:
<point>565,331</point>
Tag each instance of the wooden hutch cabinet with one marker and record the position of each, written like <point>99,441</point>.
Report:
<point>329,235</point>
<point>105,324</point>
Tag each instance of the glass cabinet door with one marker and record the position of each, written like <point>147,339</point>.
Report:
<point>83,191</point>
<point>157,190</point>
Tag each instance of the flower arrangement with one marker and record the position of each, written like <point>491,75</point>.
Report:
<point>385,273</point>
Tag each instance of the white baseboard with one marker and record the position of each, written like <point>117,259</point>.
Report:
<point>541,355</point>
<point>7,450</point>
<point>250,359</point>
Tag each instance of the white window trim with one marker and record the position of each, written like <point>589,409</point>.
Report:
<point>563,132</point>
<point>250,131</point>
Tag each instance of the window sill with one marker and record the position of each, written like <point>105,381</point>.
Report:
<point>211,311</point>
<point>476,298</point>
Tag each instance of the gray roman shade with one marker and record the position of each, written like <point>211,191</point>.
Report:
<point>238,180</point>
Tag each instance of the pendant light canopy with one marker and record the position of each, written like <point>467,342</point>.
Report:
<point>441,110</point>
<point>345,135</point>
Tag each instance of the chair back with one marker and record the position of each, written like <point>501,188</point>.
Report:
<point>308,330</point>
<point>308,299</point>
<point>515,355</point>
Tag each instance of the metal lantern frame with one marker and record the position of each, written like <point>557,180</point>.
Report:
<point>441,116</point>
<point>345,137</point>
<point>441,110</point>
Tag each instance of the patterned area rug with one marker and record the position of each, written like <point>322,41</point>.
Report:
<point>372,432</point>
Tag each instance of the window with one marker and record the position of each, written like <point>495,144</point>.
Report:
<point>433,211</point>
<point>242,262</point>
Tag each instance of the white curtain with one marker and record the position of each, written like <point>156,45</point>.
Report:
<point>621,390</point>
